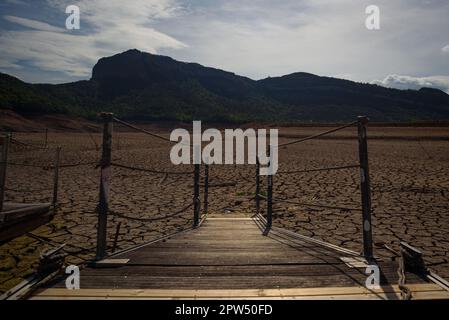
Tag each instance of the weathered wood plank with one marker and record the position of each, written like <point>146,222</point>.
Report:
<point>211,271</point>
<point>231,258</point>
<point>221,282</point>
<point>201,277</point>
<point>420,291</point>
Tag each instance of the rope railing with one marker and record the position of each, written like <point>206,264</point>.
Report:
<point>129,125</point>
<point>118,165</point>
<point>320,169</point>
<point>4,146</point>
<point>308,204</point>
<point>155,135</point>
<point>24,144</point>
<point>364,184</point>
<point>319,134</point>
<point>56,166</point>
<point>106,165</point>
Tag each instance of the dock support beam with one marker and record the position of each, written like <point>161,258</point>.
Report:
<point>4,146</point>
<point>196,196</point>
<point>104,185</point>
<point>56,176</point>
<point>365,189</point>
<point>257,186</point>
<point>206,188</point>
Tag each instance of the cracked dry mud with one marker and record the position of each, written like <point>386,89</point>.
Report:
<point>410,193</point>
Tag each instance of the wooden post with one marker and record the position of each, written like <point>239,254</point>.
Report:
<point>257,185</point>
<point>206,188</point>
<point>4,146</point>
<point>104,185</point>
<point>365,188</point>
<point>269,201</point>
<point>56,176</point>
<point>196,196</point>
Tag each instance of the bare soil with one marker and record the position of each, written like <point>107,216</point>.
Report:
<point>409,175</point>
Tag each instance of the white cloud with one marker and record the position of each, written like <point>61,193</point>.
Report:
<point>445,49</point>
<point>408,82</point>
<point>50,51</point>
<point>33,24</point>
<point>107,27</point>
<point>265,38</point>
<point>255,38</point>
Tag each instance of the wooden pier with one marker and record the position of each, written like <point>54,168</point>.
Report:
<point>231,258</point>
<point>239,256</point>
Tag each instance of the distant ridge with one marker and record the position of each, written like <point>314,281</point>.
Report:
<point>138,85</point>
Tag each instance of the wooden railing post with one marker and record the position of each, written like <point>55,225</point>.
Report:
<point>365,188</point>
<point>196,196</point>
<point>269,202</point>
<point>257,185</point>
<point>104,185</point>
<point>56,176</point>
<point>4,146</point>
<point>206,188</point>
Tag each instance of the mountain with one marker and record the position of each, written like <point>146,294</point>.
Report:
<point>138,85</point>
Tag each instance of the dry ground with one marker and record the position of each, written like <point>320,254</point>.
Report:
<point>410,184</point>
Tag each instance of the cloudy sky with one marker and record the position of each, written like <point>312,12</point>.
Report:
<point>254,38</point>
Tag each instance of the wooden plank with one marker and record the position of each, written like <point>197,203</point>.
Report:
<point>277,232</point>
<point>248,292</point>
<point>105,263</point>
<point>422,291</point>
<point>231,258</point>
<point>233,243</point>
<point>257,255</point>
<point>238,242</point>
<point>211,271</point>
<point>151,242</point>
<point>220,282</point>
<point>276,249</point>
<point>231,277</point>
<point>26,287</point>
<point>380,296</point>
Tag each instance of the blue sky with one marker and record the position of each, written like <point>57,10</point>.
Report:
<point>257,38</point>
